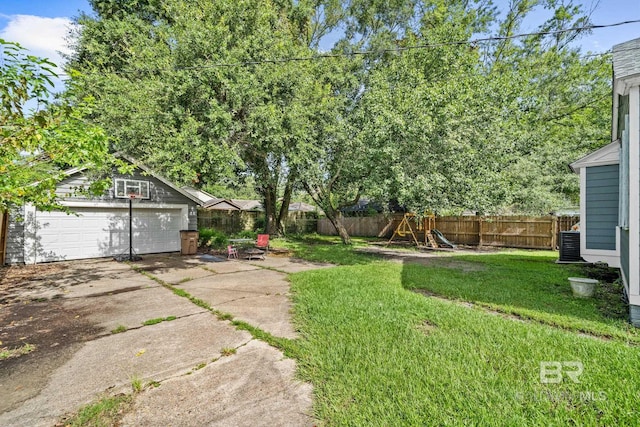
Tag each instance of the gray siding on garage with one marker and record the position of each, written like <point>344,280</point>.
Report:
<point>158,193</point>
<point>602,207</point>
<point>15,237</point>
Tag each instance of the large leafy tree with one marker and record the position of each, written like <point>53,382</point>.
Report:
<point>183,85</point>
<point>492,126</point>
<point>39,143</point>
<point>217,91</point>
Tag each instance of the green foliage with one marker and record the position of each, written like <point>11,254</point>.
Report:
<point>38,145</point>
<point>105,412</point>
<point>197,90</point>
<point>259,224</point>
<point>246,234</point>
<point>212,238</point>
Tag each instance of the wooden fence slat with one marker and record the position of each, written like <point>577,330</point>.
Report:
<point>503,231</point>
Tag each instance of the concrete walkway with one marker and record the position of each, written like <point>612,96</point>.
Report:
<point>253,384</point>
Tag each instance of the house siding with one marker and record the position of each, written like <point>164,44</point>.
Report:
<point>15,237</point>
<point>602,207</point>
<point>158,193</point>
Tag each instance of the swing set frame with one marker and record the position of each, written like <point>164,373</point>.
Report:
<point>424,224</point>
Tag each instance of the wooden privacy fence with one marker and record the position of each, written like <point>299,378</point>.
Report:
<point>506,231</point>
<point>369,226</point>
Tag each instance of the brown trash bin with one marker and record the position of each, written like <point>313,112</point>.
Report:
<point>189,242</point>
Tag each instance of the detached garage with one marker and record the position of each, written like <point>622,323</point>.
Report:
<point>99,227</point>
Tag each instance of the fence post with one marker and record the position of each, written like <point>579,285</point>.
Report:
<point>554,232</point>
<point>480,231</point>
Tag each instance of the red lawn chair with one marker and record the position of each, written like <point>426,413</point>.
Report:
<point>263,242</point>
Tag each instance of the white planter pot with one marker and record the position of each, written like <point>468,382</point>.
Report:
<point>582,287</point>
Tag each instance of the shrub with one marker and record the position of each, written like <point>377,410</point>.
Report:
<point>212,238</point>
<point>247,234</point>
<point>260,223</point>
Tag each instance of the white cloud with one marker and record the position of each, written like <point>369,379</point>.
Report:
<point>43,37</point>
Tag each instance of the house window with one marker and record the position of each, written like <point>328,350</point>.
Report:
<point>124,187</point>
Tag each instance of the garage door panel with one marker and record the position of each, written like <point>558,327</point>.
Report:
<point>102,232</point>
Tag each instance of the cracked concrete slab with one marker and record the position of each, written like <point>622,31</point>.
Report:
<point>260,282</point>
<point>108,286</point>
<point>254,387</point>
<point>271,313</point>
<point>156,352</point>
<point>180,275</point>
<point>258,298</point>
<point>231,266</point>
<point>76,360</point>
<point>133,307</point>
<point>289,265</point>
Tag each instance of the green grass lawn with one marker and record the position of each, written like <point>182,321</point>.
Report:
<point>379,353</point>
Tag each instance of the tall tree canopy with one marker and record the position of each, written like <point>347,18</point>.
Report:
<point>403,107</point>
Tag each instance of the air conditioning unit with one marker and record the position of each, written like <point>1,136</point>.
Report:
<point>570,246</point>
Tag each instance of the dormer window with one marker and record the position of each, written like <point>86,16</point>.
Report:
<point>125,187</point>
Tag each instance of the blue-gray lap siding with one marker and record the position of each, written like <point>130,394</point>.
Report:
<point>602,207</point>
<point>158,193</point>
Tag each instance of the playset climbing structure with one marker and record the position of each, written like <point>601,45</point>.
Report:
<point>412,226</point>
<point>421,231</point>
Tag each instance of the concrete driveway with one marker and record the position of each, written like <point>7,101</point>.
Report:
<point>85,321</point>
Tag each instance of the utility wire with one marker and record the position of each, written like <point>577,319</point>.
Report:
<point>472,42</point>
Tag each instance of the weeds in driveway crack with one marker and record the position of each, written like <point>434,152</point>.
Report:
<point>158,320</point>
<point>119,329</point>
<point>228,351</point>
<point>264,267</point>
<point>107,411</point>
<point>287,346</point>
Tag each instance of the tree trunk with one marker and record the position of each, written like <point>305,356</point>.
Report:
<point>284,207</point>
<point>333,214</point>
<point>269,196</point>
<point>336,219</point>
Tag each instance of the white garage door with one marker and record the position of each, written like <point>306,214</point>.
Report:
<point>102,232</point>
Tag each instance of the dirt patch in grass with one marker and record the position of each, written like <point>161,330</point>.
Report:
<point>426,327</point>
<point>428,259</point>
<point>446,262</point>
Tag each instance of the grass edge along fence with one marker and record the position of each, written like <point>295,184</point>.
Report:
<point>527,232</point>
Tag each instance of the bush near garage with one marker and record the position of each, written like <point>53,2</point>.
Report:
<point>211,238</point>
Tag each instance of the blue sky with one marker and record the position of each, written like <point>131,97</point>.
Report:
<point>41,25</point>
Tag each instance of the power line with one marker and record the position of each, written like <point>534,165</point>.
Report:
<point>397,49</point>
